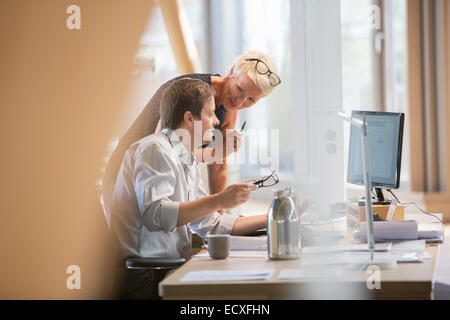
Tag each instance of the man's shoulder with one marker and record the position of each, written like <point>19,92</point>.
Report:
<point>156,141</point>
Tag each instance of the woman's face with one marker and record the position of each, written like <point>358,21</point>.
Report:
<point>240,92</point>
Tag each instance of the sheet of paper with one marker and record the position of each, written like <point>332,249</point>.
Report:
<point>323,260</point>
<point>248,243</point>
<point>240,254</point>
<point>311,273</point>
<point>408,257</point>
<point>408,246</point>
<point>226,275</point>
<point>400,257</point>
<point>410,251</point>
<point>346,257</point>
<point>346,248</point>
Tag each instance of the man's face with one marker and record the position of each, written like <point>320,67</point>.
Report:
<point>240,92</point>
<point>209,119</point>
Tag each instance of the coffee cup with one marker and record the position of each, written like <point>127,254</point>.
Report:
<point>218,245</point>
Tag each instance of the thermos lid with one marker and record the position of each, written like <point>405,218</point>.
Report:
<point>282,193</point>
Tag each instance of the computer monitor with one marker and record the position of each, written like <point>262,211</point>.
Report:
<point>385,136</point>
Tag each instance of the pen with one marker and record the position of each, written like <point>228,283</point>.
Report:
<point>243,126</point>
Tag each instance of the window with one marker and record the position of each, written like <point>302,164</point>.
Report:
<point>374,61</point>
<point>266,29</point>
<point>303,38</point>
<point>264,26</point>
<point>361,74</point>
<point>154,62</point>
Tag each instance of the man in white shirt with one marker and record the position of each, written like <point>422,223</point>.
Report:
<point>159,195</point>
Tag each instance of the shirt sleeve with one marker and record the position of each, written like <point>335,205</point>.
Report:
<point>214,222</point>
<point>154,183</point>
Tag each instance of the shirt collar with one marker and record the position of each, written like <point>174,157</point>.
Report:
<point>186,157</point>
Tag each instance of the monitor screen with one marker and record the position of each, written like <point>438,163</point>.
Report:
<point>385,136</point>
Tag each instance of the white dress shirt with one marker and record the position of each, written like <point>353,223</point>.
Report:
<point>156,174</point>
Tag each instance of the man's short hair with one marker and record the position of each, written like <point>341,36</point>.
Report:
<point>180,96</point>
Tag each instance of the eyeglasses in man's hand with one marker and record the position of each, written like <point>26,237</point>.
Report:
<point>268,181</point>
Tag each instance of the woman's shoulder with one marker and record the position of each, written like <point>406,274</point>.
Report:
<point>201,76</point>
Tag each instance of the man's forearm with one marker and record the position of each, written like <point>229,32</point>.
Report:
<point>194,210</point>
<point>247,225</point>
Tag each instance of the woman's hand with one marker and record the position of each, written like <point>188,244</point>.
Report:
<point>232,142</point>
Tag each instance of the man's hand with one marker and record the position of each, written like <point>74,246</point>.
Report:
<point>234,195</point>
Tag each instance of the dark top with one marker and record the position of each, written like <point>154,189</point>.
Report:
<point>146,123</point>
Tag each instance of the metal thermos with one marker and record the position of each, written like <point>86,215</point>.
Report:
<point>283,226</point>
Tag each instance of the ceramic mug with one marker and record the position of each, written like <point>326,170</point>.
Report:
<point>218,245</point>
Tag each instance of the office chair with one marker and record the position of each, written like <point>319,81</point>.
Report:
<point>140,272</point>
<point>148,273</point>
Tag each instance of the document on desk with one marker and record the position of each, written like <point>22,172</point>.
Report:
<point>401,251</point>
<point>226,275</point>
<point>347,248</point>
<point>240,254</point>
<point>239,243</point>
<point>311,273</point>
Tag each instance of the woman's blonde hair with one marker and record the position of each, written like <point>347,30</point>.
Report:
<point>241,65</point>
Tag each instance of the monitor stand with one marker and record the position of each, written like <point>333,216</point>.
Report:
<point>379,199</point>
<point>382,261</point>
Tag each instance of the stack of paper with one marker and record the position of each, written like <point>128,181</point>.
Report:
<point>305,273</point>
<point>389,230</point>
<point>226,275</point>
<point>432,236</point>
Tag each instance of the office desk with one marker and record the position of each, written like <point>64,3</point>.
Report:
<point>406,281</point>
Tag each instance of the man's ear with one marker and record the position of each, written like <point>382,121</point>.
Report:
<point>188,119</point>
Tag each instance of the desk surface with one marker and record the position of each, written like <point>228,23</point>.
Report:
<point>406,281</point>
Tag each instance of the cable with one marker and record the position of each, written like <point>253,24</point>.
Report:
<point>405,204</point>
<point>389,190</point>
